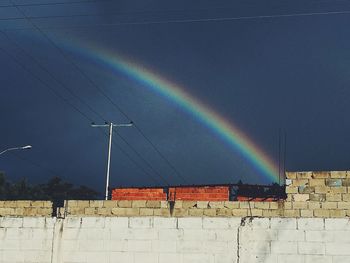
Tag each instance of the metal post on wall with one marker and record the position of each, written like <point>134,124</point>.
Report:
<point>110,125</point>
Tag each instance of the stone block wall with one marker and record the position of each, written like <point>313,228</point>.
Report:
<point>26,208</point>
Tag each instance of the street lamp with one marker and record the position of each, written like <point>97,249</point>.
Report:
<point>27,147</point>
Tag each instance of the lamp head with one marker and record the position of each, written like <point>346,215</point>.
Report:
<point>26,147</point>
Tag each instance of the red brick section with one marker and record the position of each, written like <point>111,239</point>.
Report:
<point>155,194</point>
<point>199,193</point>
<point>203,193</point>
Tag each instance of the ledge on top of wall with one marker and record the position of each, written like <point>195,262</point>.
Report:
<point>309,194</point>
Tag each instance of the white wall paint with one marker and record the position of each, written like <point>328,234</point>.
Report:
<point>170,240</point>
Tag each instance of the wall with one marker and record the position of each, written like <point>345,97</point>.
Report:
<point>170,240</point>
<point>311,225</point>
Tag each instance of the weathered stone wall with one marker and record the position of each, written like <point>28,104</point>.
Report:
<point>309,195</point>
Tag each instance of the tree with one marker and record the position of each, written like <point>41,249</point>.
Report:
<point>55,189</point>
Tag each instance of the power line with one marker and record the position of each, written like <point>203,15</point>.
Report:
<point>181,21</point>
<point>44,83</point>
<point>94,84</point>
<point>59,3</point>
<point>61,83</point>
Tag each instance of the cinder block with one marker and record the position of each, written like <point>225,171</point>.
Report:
<point>170,258</point>
<point>139,245</point>
<point>214,204</point>
<point>338,174</point>
<point>319,236</point>
<point>343,205</point>
<point>306,189</point>
<point>199,234</point>
<point>140,222</point>
<point>283,223</point>
<point>153,204</point>
<point>118,211</point>
<point>291,190</point>
<point>337,249</point>
<point>346,182</point>
<point>318,197</point>
<point>291,235</point>
<point>283,247</point>
<point>146,211</point>
<point>165,212</point>
<point>346,197</point>
<point>334,182</point>
<point>180,212</point>
<point>311,248</point>
<point>290,259</point>
<point>262,205</point>
<point>110,203</point>
<point>226,235</point>
<point>321,213</point>
<point>93,222</point>
<point>146,258</point>
<point>161,222</point>
<point>117,222</point>
<point>333,197</point>
<point>341,259</point>
<point>248,234</point>
<point>124,204</point>
<point>38,222</point>
<point>329,205</point>
<point>231,204</point>
<point>196,212</point>
<point>258,223</point>
<point>189,204</point>
<point>322,189</point>
<point>321,175</point>
<point>291,213</point>
<point>300,197</point>
<point>132,211</point>
<point>291,175</point>
<point>170,234</point>
<point>191,223</point>
<point>299,182</point>
<point>215,223</point>
<point>209,212</point>
<point>337,224</point>
<point>202,204</point>
<point>239,212</point>
<point>8,222</point>
<point>310,224</point>
<point>164,246</point>
<point>317,182</point>
<point>306,213</point>
<point>138,203</point>
<point>189,247</point>
<point>304,175</point>
<point>337,213</point>
<point>299,205</point>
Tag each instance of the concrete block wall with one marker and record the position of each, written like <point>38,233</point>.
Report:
<point>27,239</point>
<point>180,240</point>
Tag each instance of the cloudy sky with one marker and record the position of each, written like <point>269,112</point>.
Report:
<point>260,67</point>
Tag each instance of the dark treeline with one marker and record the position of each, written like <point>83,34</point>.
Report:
<point>54,189</point>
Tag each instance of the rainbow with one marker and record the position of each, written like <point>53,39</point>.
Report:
<point>226,130</point>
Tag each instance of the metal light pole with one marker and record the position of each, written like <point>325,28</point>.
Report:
<point>27,147</point>
<point>110,125</point>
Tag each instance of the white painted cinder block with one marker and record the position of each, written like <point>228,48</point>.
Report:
<point>190,222</point>
<point>183,240</point>
<point>311,223</point>
<point>140,222</point>
<point>164,222</point>
<point>311,248</point>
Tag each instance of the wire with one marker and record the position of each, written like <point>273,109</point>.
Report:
<point>94,84</point>
<point>44,83</point>
<point>60,3</point>
<point>61,83</point>
<point>143,159</point>
<point>175,21</point>
<point>137,164</point>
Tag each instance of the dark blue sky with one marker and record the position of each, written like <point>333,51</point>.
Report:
<point>263,74</point>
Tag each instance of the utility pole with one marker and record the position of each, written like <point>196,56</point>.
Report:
<point>110,125</point>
